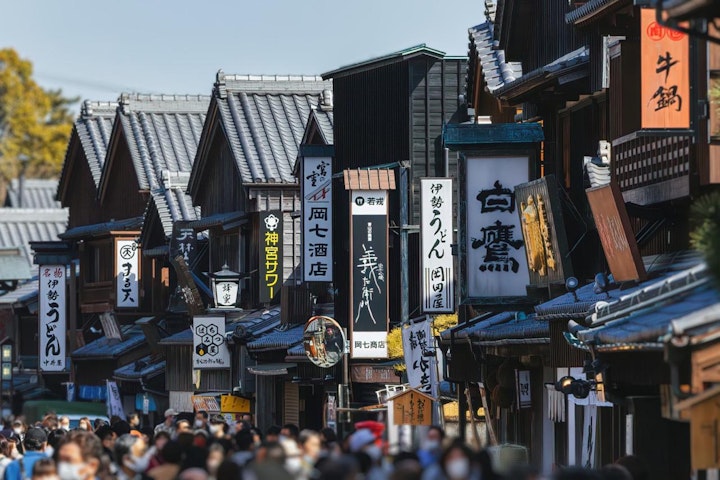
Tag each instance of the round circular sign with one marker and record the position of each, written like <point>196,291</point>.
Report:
<point>324,341</point>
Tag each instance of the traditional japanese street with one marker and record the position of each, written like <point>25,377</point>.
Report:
<point>418,265</point>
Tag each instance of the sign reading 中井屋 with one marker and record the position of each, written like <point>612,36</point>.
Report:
<point>419,354</point>
<point>368,280</point>
<point>436,221</point>
<point>664,74</point>
<point>52,313</point>
<point>317,219</point>
<point>127,273</point>
<point>209,347</point>
<point>495,252</point>
<point>271,255</point>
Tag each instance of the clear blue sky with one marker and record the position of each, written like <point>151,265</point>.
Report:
<point>97,48</point>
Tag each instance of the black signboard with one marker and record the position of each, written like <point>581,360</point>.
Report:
<point>183,242</point>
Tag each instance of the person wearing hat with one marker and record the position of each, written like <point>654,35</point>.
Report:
<point>34,442</point>
<point>169,424</point>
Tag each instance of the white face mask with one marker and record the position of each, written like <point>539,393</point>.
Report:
<point>139,464</point>
<point>458,468</point>
<point>49,450</point>
<point>18,431</point>
<point>293,464</point>
<point>430,445</point>
<point>70,471</point>
<point>198,423</point>
<point>214,429</point>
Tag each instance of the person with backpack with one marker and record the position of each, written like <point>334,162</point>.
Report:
<point>34,442</point>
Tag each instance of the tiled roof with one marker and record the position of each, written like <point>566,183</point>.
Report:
<point>23,293</point>
<point>92,128</point>
<point>36,193</point>
<point>369,179</point>
<point>13,264</point>
<point>142,368</point>
<point>324,121</point>
<point>105,347</point>
<point>593,7</point>
<point>646,328</point>
<point>162,133</point>
<point>390,58</point>
<point>297,351</point>
<point>20,226</point>
<point>264,118</point>
<point>171,201</point>
<point>255,323</point>
<point>505,327</point>
<point>279,339</point>
<point>101,229</point>
<point>495,70</point>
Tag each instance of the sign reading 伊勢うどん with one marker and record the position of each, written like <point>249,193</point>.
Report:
<point>52,313</point>
<point>436,230</point>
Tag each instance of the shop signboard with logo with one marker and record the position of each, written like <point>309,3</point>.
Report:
<point>271,255</point>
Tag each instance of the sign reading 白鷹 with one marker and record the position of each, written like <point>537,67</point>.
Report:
<point>52,326</point>
<point>419,353</point>
<point>495,252</point>
<point>209,347</point>
<point>127,273</point>
<point>436,222</point>
<point>271,242</point>
<point>183,242</point>
<point>317,219</point>
<point>368,280</point>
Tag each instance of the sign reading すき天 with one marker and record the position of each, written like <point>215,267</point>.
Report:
<point>127,273</point>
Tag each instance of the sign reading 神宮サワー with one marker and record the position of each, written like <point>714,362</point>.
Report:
<point>368,256</point>
<point>271,255</point>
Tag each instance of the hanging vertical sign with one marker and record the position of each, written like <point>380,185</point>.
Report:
<point>495,260</point>
<point>183,242</point>
<point>271,242</point>
<point>419,354</point>
<point>664,74</point>
<point>438,291</point>
<point>114,401</point>
<point>368,280</point>
<point>127,273</point>
<point>209,347</point>
<point>52,322</point>
<point>317,219</point>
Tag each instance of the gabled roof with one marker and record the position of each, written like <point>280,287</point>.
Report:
<point>399,56</point>
<point>162,133</point>
<point>171,202</point>
<point>102,229</point>
<point>20,226</point>
<point>92,129</point>
<point>36,193</point>
<point>263,118</point>
<point>25,292</point>
<point>321,123</point>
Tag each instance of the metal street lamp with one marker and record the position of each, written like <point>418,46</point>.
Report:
<point>225,287</point>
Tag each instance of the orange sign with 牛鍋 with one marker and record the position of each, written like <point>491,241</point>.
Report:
<point>664,75</point>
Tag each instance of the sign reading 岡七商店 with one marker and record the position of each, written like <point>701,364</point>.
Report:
<point>209,347</point>
<point>368,280</point>
<point>664,74</point>
<point>437,261</point>
<point>495,251</point>
<point>52,312</point>
<point>127,273</point>
<point>271,255</point>
<point>317,219</point>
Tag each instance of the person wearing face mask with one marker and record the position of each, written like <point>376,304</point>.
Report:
<point>311,446</point>
<point>168,425</point>
<point>431,446</point>
<point>132,457</point>
<point>35,442</point>
<point>455,464</point>
<point>217,426</point>
<point>18,429</point>
<point>84,424</point>
<point>79,457</point>
<point>5,448</point>
<point>201,420</point>
<point>364,444</point>
<point>216,455</point>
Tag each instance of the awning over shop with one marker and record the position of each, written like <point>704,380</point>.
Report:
<point>142,369</point>
<point>271,369</point>
<point>24,295</point>
<point>280,338</point>
<point>507,328</point>
<point>102,229</point>
<point>110,348</point>
<point>224,220</point>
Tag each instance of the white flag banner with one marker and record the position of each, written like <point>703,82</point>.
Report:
<point>419,352</point>
<point>70,391</point>
<point>114,402</point>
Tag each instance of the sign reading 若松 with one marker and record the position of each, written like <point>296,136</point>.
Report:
<point>210,350</point>
<point>317,219</point>
<point>271,255</point>
<point>183,242</point>
<point>368,280</point>
<point>495,261</point>
<point>52,322</point>
<point>420,359</point>
<point>127,273</point>
<point>436,219</point>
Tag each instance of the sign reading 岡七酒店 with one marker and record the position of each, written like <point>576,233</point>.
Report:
<point>52,312</point>
<point>127,273</point>
<point>368,280</point>
<point>271,255</point>
<point>664,74</point>
<point>495,252</point>
<point>436,221</point>
<point>317,219</point>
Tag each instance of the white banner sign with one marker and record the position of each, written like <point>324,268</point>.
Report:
<point>52,323</point>
<point>114,401</point>
<point>317,219</point>
<point>127,274</point>
<point>420,359</point>
<point>436,220</point>
<point>496,265</point>
<point>209,347</point>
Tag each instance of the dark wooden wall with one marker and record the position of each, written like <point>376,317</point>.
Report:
<point>221,189</point>
<point>81,196</point>
<point>123,198</point>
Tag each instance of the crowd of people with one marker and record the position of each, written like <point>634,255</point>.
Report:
<point>208,447</point>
